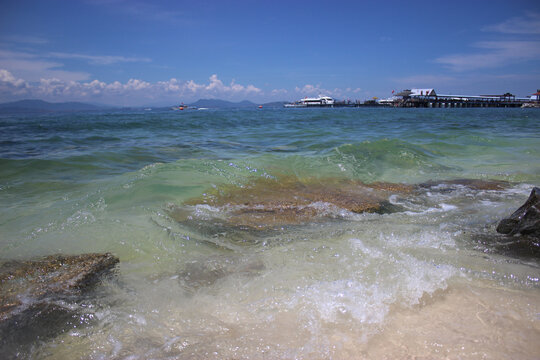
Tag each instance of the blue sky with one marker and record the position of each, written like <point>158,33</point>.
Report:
<point>165,52</point>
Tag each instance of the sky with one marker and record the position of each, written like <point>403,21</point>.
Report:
<point>140,53</point>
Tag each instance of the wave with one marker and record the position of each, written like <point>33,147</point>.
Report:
<point>375,160</point>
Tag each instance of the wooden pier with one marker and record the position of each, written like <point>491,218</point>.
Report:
<point>458,103</point>
<point>425,98</point>
<point>428,99</point>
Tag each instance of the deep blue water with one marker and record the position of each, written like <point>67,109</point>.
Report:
<point>104,144</point>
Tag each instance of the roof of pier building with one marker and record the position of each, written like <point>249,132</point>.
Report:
<point>423,92</point>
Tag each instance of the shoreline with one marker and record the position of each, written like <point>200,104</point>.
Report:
<point>473,319</point>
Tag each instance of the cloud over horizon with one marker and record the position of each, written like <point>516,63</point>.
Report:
<point>139,92</point>
<point>132,92</point>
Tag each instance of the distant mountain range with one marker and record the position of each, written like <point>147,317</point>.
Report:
<point>44,106</point>
<point>40,106</point>
<point>275,104</point>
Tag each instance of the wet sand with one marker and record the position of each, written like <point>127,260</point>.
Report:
<point>477,320</point>
<point>465,321</point>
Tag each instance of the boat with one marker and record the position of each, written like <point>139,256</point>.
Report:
<point>184,107</point>
<point>321,101</point>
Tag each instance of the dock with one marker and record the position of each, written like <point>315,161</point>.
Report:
<point>427,98</point>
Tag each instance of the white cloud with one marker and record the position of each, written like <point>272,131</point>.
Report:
<point>252,89</point>
<point>499,53</point>
<point>309,89</point>
<point>7,77</point>
<point>10,85</point>
<point>32,67</point>
<point>215,84</point>
<point>193,87</point>
<point>134,84</point>
<point>171,86</point>
<point>140,92</point>
<point>98,59</point>
<point>494,54</point>
<point>528,24</point>
<point>217,88</point>
<point>279,92</point>
<point>146,11</point>
<point>132,92</point>
<point>33,70</point>
<point>26,39</point>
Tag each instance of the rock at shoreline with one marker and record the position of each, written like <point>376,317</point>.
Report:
<point>525,220</point>
<point>29,288</point>
<point>522,247</point>
<point>266,204</point>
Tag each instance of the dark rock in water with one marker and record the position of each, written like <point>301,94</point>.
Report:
<point>525,220</point>
<point>34,290</point>
<point>522,247</point>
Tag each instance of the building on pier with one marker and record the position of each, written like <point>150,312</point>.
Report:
<point>429,98</point>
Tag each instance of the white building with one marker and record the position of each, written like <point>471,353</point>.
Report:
<point>423,92</point>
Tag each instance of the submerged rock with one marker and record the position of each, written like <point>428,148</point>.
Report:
<point>525,220</point>
<point>474,184</point>
<point>522,247</point>
<point>205,272</point>
<point>32,288</point>
<point>267,204</point>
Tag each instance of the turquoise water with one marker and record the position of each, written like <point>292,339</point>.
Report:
<point>105,182</point>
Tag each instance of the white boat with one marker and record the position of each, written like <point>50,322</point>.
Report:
<point>321,101</point>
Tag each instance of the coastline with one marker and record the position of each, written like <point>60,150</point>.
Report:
<point>469,319</point>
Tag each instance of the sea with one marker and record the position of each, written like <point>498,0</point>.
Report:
<point>241,232</point>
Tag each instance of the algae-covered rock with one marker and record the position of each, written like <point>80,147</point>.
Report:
<point>267,204</point>
<point>31,285</point>
<point>38,298</point>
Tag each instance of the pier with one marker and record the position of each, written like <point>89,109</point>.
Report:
<point>427,98</point>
